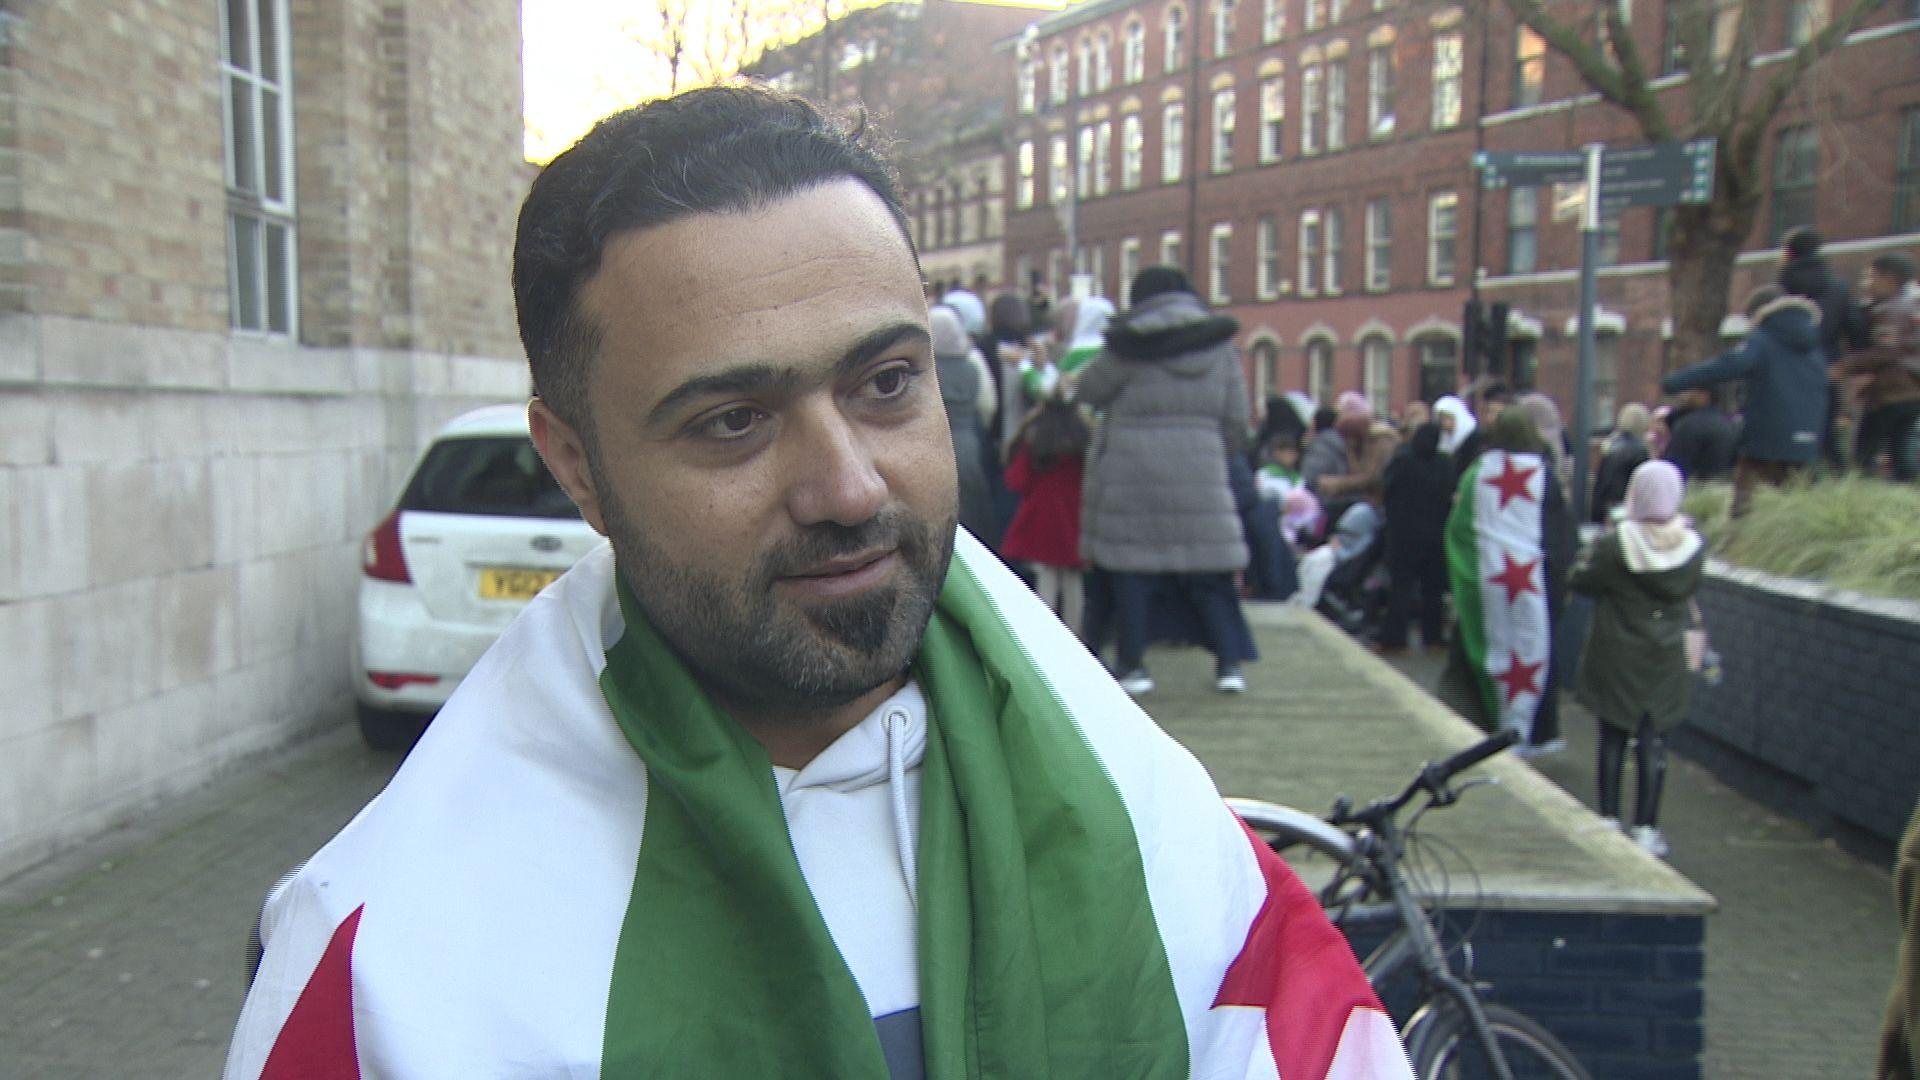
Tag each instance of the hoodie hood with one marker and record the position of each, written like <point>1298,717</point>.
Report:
<point>1653,552</point>
<point>1168,327</point>
<point>1793,320</point>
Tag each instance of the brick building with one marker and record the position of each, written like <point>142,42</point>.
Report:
<point>251,254</point>
<point>1308,161</point>
<point>929,74</point>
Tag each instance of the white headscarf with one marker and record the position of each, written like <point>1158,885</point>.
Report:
<point>1090,323</point>
<point>973,313</point>
<point>1463,422</point>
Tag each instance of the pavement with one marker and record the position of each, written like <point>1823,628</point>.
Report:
<point>125,957</point>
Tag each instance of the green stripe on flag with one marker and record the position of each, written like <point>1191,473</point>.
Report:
<point>1463,569</point>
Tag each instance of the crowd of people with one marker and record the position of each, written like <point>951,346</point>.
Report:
<point>1127,487</point>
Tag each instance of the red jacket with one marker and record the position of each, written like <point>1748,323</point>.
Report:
<point>1046,528</point>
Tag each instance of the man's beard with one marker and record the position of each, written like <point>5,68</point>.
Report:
<point>748,645</point>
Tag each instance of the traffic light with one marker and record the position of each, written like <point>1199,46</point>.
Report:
<point>1471,329</point>
<point>1494,339</point>
<point>1483,332</point>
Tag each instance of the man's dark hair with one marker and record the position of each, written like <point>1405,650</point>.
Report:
<point>1896,265</point>
<point>1802,242</point>
<point>716,150</point>
<point>1324,417</point>
<point>1499,392</point>
<point>1010,319</point>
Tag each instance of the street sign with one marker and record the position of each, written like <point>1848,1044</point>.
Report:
<point>1527,168</point>
<point>1658,175</point>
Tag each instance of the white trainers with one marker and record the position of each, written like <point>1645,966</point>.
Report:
<point>1230,680</point>
<point>1137,682</point>
<point>1614,824</point>
<point>1650,841</point>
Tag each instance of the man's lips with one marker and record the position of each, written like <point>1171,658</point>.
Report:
<point>840,577</point>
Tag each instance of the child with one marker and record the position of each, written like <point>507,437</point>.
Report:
<point>1280,476</point>
<point>1048,456</point>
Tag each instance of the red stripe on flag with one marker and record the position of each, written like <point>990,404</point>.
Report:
<point>316,1043</point>
<point>1298,968</point>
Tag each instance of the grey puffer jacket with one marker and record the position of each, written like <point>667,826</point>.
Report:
<point>1156,497</point>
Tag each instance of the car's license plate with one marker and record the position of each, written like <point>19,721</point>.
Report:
<point>513,583</point>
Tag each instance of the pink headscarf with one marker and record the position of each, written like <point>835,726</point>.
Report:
<point>1353,403</point>
<point>1653,493</point>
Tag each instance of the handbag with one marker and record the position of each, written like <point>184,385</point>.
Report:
<point>1694,639</point>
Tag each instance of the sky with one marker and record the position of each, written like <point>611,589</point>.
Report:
<point>582,62</point>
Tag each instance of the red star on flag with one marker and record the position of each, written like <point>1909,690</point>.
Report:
<point>1517,578</point>
<point>1512,482</point>
<point>1520,677</point>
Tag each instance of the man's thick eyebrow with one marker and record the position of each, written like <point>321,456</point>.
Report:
<point>762,377</point>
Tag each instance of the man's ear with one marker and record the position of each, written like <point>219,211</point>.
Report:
<point>565,452</point>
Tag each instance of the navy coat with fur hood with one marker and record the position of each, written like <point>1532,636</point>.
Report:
<point>1785,373</point>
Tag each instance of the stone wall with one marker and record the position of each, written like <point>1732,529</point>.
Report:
<point>1820,690</point>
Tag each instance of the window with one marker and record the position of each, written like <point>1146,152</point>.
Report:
<point>1173,141</point>
<point>1170,248</point>
<point>1316,15</point>
<point>1320,371</point>
<point>1222,27</point>
<point>1523,230</point>
<point>1336,10</point>
<point>1608,249</point>
<point>1057,74</point>
<point>1083,166</point>
<point>1132,148</point>
<point>1440,367</point>
<point>1805,20</point>
<point>1673,52</point>
<point>1059,185</point>
<point>1273,20</point>
<point>1175,37</point>
<point>1379,245</point>
<point>1448,62</point>
<point>1310,253</point>
<point>1218,263</point>
<point>1906,184</point>
<point>1267,251</point>
<point>1023,188</point>
<point>1103,157</point>
<point>1029,76</point>
<point>259,167</point>
<point>1380,91</point>
<point>1606,373</point>
<point>1273,117</point>
<point>1097,268</point>
<point>1223,131</point>
<point>1529,66</point>
<point>1443,221</point>
<point>1056,271</point>
<point>1102,62</point>
<point>1129,267</point>
<point>1083,55</point>
<point>1266,369</point>
<point>1337,105</point>
<point>1662,232</point>
<point>1376,374</point>
<point>993,218</point>
<point>1310,109</point>
<point>1796,168</point>
<point>1334,266</point>
<point>1134,64</point>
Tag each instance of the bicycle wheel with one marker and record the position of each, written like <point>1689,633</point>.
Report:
<point>1323,855</point>
<point>1445,1047</point>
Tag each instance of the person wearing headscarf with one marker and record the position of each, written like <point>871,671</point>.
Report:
<point>1456,423</point>
<point>1370,446</point>
<point>1553,432</point>
<point>1353,403</point>
<point>1282,422</point>
<point>1623,452</point>
<point>1329,452</point>
<point>1509,543</point>
<point>1417,497</point>
<point>970,308</point>
<point>959,382</point>
<point>1642,574</point>
<point>1159,513</point>
<point>1080,326</point>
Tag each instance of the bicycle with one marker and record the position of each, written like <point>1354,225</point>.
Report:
<point>1452,1033</point>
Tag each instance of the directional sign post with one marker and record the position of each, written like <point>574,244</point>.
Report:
<point>1663,174</point>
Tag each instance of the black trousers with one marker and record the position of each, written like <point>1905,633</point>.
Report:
<point>1418,574</point>
<point>1887,430</point>
<point>1651,758</point>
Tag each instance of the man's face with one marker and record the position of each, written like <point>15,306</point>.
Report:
<point>770,457</point>
<point>1491,408</point>
<point>1882,286</point>
<point>1445,420</point>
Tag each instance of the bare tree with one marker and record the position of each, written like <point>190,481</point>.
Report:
<point>1728,96</point>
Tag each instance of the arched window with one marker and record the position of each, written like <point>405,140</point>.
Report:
<point>1102,62</point>
<point>1439,366</point>
<point>1376,373</point>
<point>1320,371</point>
<point>1176,37</point>
<point>1266,370</point>
<point>1134,65</point>
<point>1057,74</point>
<point>1085,66</point>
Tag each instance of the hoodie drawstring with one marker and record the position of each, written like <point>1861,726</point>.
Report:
<point>896,723</point>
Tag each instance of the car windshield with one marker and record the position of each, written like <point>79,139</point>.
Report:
<point>500,475</point>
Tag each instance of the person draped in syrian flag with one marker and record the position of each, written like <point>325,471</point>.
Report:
<point>1509,544</point>
<point>792,777</point>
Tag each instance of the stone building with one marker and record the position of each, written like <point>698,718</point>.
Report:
<point>251,255</point>
<point>1309,162</point>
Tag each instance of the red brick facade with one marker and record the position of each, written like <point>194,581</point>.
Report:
<point>1410,328</point>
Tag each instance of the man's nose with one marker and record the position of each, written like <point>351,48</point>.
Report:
<point>834,477</point>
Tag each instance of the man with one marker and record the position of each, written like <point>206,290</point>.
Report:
<point>1804,272</point>
<point>772,785</point>
<point>1780,363</point>
<point>1890,365</point>
<point>1703,436</point>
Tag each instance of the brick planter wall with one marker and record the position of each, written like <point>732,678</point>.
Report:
<point>1622,991</point>
<point>1822,688</point>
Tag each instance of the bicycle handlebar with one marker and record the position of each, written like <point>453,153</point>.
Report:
<point>1432,779</point>
<point>1440,772</point>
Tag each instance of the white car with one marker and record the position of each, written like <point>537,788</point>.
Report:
<point>481,527</point>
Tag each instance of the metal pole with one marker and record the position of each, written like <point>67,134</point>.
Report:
<point>1583,379</point>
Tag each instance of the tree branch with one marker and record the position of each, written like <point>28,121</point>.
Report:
<point>1774,95</point>
<point>1639,99</point>
<point>1624,85</point>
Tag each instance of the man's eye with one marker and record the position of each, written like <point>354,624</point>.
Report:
<point>892,382</point>
<point>734,423</point>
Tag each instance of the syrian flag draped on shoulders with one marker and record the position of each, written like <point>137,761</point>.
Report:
<point>583,870</point>
<point>1494,538</point>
